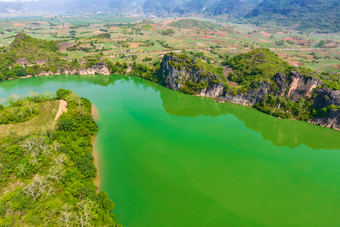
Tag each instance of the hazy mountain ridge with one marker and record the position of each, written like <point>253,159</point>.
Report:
<point>154,7</point>
<point>301,14</point>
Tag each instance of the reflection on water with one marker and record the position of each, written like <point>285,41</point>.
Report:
<point>289,133</point>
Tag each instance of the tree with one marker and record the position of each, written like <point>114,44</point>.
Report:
<point>60,159</point>
<point>67,124</point>
<point>61,93</point>
<point>66,216</point>
<point>55,173</point>
<point>321,44</point>
<point>86,212</point>
<point>31,190</point>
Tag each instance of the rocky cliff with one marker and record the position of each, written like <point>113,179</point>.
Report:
<point>328,101</point>
<point>186,75</point>
<point>99,68</point>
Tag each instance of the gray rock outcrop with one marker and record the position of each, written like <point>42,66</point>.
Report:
<point>99,68</point>
<point>294,86</point>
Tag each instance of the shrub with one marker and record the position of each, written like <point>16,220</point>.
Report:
<point>67,124</point>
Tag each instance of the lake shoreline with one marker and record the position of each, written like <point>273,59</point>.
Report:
<point>95,116</point>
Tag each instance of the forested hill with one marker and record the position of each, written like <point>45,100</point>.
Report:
<point>28,56</point>
<point>47,170</point>
<point>319,15</point>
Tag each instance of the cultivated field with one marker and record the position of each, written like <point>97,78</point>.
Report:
<point>128,39</point>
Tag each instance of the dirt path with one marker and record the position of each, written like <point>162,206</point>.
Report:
<point>62,109</point>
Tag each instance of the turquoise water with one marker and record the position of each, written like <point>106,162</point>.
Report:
<point>169,159</point>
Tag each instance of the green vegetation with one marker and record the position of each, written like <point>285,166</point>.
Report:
<point>16,110</point>
<point>148,72</point>
<point>21,57</point>
<point>168,32</point>
<point>322,16</point>
<point>47,177</point>
<point>183,61</point>
<point>32,49</point>
<point>284,108</point>
<point>24,54</point>
<point>192,23</point>
<point>330,80</point>
<point>259,64</point>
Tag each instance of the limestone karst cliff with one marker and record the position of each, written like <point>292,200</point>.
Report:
<point>287,95</point>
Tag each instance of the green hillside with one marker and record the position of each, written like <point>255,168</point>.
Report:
<point>47,173</point>
<point>304,15</point>
<point>259,64</point>
<point>192,23</point>
<point>25,50</point>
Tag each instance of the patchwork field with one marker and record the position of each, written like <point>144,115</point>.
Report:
<point>128,39</point>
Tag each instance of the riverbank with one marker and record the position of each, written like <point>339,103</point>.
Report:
<point>95,116</point>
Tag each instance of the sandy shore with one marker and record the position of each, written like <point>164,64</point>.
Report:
<point>95,113</point>
<point>95,116</point>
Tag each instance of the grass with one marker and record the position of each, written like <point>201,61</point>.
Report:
<point>47,112</point>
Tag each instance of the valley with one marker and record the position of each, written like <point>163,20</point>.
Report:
<point>136,39</point>
<point>158,113</point>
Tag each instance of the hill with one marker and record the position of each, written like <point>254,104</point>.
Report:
<point>23,51</point>
<point>312,15</point>
<point>259,79</point>
<point>192,23</point>
<point>47,170</point>
<point>33,50</point>
<point>30,56</point>
<point>234,8</point>
<point>231,8</point>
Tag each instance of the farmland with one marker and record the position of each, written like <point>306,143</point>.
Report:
<point>137,39</point>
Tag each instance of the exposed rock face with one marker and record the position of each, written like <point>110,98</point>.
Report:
<point>213,91</point>
<point>170,75</point>
<point>100,68</point>
<point>327,98</point>
<point>22,62</point>
<point>176,79</point>
<point>295,86</point>
<point>251,97</point>
<point>281,81</point>
<point>301,86</point>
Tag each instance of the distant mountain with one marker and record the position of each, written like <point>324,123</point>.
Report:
<point>52,6</point>
<point>166,7</point>
<point>322,15</point>
<point>236,8</point>
<point>207,7</point>
<point>126,6</point>
<point>314,15</point>
<point>10,7</point>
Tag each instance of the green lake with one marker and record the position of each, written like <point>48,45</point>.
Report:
<point>170,159</point>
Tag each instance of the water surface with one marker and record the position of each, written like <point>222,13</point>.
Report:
<point>169,159</point>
